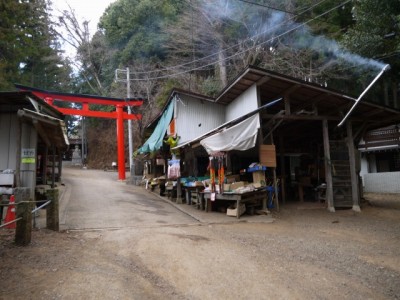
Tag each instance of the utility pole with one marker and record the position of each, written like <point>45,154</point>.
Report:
<point>128,95</point>
<point>83,146</point>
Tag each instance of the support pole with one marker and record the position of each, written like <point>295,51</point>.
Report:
<point>53,167</point>
<point>179,191</point>
<point>120,143</point>
<point>283,168</point>
<point>52,210</point>
<point>18,153</point>
<point>328,169</point>
<point>23,231</point>
<point>385,67</point>
<point>130,142</point>
<point>353,172</point>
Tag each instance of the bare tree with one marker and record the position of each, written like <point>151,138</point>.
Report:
<point>91,53</point>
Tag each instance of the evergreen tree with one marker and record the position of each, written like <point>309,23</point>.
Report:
<point>29,53</point>
<point>376,34</point>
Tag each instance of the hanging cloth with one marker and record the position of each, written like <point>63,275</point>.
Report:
<point>241,136</point>
<point>212,174</point>
<point>221,174</point>
<point>156,139</point>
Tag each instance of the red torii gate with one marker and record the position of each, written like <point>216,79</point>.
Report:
<point>85,111</point>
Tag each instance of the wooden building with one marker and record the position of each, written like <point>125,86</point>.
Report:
<point>380,160</point>
<point>32,139</point>
<point>311,149</point>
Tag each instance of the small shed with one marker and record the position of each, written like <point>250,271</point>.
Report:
<point>32,139</point>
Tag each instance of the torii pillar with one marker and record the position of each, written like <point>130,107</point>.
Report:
<point>85,111</point>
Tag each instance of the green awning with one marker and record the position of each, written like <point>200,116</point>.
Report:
<point>156,139</point>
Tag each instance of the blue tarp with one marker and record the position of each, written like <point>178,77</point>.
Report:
<point>156,139</point>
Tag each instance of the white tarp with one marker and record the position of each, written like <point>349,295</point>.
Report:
<point>241,136</point>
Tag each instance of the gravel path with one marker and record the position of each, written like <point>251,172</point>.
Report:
<point>306,253</point>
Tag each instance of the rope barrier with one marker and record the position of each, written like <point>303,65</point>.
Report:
<point>8,223</point>
<point>39,201</point>
<point>41,206</point>
<point>33,211</point>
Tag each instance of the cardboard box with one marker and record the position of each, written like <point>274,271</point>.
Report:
<point>259,177</point>
<point>232,178</point>
<point>232,211</point>
<point>160,161</point>
<point>227,187</point>
<point>267,155</point>
<point>236,185</point>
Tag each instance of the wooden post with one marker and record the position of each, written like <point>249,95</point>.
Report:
<point>52,210</point>
<point>353,173</point>
<point>45,163</point>
<point>53,167</point>
<point>328,169</point>
<point>59,165</point>
<point>286,99</point>
<point>283,168</point>
<point>23,231</point>
<point>276,202</point>
<point>18,154</point>
<point>179,191</point>
<point>276,191</point>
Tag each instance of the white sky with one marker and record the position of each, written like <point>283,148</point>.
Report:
<point>84,10</point>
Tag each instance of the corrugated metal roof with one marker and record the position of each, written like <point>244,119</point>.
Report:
<point>304,96</point>
<point>32,108</point>
<point>51,129</point>
<point>11,102</point>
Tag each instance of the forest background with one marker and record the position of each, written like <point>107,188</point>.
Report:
<point>198,46</point>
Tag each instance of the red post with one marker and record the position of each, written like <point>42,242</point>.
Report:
<point>120,142</point>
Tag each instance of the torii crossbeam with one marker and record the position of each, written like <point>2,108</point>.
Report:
<point>85,111</point>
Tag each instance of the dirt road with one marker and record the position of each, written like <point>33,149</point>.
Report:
<point>141,247</point>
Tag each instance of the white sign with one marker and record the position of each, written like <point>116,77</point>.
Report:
<point>28,155</point>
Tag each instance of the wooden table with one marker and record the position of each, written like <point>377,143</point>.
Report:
<point>253,196</point>
<point>193,193</point>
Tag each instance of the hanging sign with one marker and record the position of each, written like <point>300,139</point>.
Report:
<point>28,156</point>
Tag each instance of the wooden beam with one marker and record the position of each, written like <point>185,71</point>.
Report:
<point>286,97</point>
<point>98,114</point>
<point>301,117</point>
<point>42,132</point>
<point>313,101</point>
<point>328,167</point>
<point>50,97</point>
<point>360,132</point>
<point>373,112</point>
<point>271,131</point>
<point>263,80</point>
<point>353,173</point>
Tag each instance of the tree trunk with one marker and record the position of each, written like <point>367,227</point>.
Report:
<point>222,67</point>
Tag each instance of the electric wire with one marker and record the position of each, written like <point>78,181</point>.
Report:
<point>268,6</point>
<point>233,46</point>
<point>243,51</point>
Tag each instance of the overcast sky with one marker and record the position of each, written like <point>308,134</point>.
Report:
<point>84,10</point>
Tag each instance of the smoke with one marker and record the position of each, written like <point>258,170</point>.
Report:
<point>305,39</point>
<point>267,27</point>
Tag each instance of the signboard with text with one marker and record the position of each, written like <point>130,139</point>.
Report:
<point>28,156</point>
